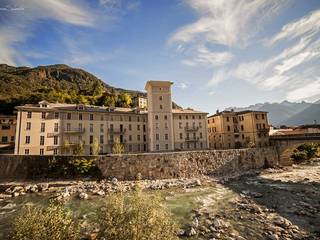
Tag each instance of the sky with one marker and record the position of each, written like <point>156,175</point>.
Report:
<point>218,53</point>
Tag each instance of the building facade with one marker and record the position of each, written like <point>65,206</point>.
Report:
<point>229,129</point>
<point>51,128</point>
<point>7,129</point>
<point>140,102</point>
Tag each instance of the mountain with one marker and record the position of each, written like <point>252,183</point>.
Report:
<point>309,115</point>
<point>286,113</point>
<point>57,83</point>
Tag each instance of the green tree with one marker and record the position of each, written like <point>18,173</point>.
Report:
<point>51,223</point>
<point>124,100</point>
<point>117,147</point>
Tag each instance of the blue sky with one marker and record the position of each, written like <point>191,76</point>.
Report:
<point>218,53</point>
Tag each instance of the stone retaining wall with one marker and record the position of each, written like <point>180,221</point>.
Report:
<point>150,165</point>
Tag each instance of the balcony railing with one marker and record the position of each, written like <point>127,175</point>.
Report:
<point>51,148</point>
<point>192,139</point>
<point>74,130</point>
<point>191,128</point>
<point>49,135</point>
<point>117,130</point>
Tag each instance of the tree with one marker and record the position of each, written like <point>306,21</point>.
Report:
<point>108,100</point>
<point>124,100</point>
<point>117,147</point>
<point>79,149</point>
<point>95,146</point>
<point>66,146</point>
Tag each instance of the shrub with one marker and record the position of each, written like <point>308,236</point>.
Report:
<point>117,147</point>
<point>135,216</point>
<point>51,223</point>
<point>299,156</point>
<point>305,151</point>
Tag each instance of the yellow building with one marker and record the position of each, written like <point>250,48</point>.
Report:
<point>51,128</point>
<point>229,129</point>
<point>140,102</point>
<point>7,129</point>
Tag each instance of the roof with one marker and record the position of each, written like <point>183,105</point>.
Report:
<point>187,111</point>
<point>75,107</point>
<point>157,83</point>
<point>308,126</point>
<point>236,113</point>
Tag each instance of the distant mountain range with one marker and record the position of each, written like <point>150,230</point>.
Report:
<point>287,113</point>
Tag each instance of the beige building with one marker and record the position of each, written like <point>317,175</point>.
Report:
<point>229,129</point>
<point>51,128</point>
<point>7,130</point>
<point>140,102</point>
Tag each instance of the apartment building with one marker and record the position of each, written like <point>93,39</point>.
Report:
<point>7,129</point>
<point>229,129</point>
<point>53,128</point>
<point>140,102</point>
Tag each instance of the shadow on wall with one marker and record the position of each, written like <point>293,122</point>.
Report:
<point>296,201</point>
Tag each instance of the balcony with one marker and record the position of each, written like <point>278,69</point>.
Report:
<point>51,148</point>
<point>192,139</point>
<point>49,135</point>
<point>266,130</point>
<point>117,130</point>
<point>191,128</point>
<point>74,130</point>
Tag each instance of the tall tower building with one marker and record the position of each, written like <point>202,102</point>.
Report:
<point>160,118</point>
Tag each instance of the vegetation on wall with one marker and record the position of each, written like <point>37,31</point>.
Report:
<point>305,152</point>
<point>117,147</point>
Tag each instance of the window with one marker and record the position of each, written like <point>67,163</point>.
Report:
<point>130,148</point>
<point>91,117</point>
<point>180,125</point>
<point>130,138</point>
<point>160,106</point>
<point>111,127</point>
<point>144,127</point>
<point>160,98</point>
<point>166,136</point>
<point>228,119</point>
<point>55,151</point>
<point>4,127</point>
<point>27,139</point>
<point>165,117</point>
<point>228,128</point>
<point>80,116</point>
<point>242,128</point>
<point>68,127</point>
<point>157,147</point>
<point>56,115</point>
<point>56,127</point>
<point>138,127</point>
<point>167,146</point>
<point>200,125</point>
<point>181,135</point>
<point>193,117</point>
<point>43,127</point>
<point>29,115</point>
<point>91,127</point>
<point>144,138</point>
<point>130,127</point>
<point>262,116</point>
<point>138,119</point>
<point>4,139</point>
<point>199,116</point>
<point>156,117</point>
<point>180,117</point>
<point>55,140</point>
<point>41,140</point>
<point>157,136</point>
<point>26,151</point>
<point>101,127</point>
<point>129,118</point>
<point>138,137</point>
<point>43,115</point>
<point>91,139</point>
<point>28,126</point>
<point>187,117</point>
<point>101,118</point>
<point>200,134</point>
<point>80,127</point>
<point>181,145</point>
<point>69,116</point>
<point>121,118</point>
<point>41,151</point>
<point>101,139</point>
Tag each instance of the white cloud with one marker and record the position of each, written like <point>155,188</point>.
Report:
<point>17,27</point>
<point>231,23</point>
<point>310,90</point>
<point>182,85</point>
<point>203,56</point>
<point>308,25</point>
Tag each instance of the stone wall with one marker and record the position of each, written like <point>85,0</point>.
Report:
<point>149,165</point>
